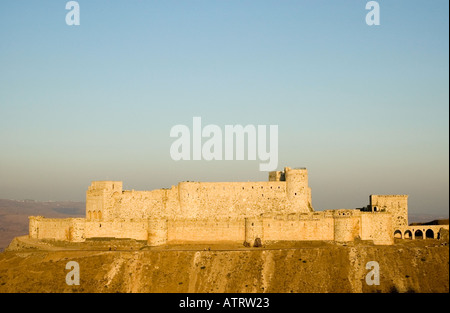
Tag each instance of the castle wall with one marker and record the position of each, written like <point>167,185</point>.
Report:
<point>279,209</point>
<point>347,225</point>
<point>57,229</point>
<point>134,229</point>
<point>77,230</point>
<point>106,200</point>
<point>65,229</point>
<point>139,204</point>
<point>195,230</point>
<point>157,232</point>
<point>377,226</point>
<point>254,230</point>
<point>33,227</point>
<point>230,200</point>
<point>306,226</point>
<point>337,225</point>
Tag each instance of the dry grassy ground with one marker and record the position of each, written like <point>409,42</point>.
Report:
<point>130,266</point>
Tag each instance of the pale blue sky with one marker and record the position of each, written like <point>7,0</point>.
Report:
<point>365,109</point>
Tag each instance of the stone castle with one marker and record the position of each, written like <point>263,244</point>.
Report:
<point>211,212</point>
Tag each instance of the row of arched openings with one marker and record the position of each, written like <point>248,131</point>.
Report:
<point>418,234</point>
<point>96,215</point>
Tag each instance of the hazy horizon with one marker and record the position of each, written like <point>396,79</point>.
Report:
<point>364,108</point>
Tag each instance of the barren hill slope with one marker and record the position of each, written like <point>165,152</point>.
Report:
<point>408,266</point>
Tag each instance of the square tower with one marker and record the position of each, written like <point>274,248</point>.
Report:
<point>98,197</point>
<point>395,204</point>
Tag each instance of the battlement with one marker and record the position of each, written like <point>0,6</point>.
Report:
<point>106,185</point>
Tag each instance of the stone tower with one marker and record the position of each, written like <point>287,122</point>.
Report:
<point>395,204</point>
<point>98,199</point>
<point>297,190</point>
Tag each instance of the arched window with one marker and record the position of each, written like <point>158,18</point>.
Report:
<point>95,215</point>
<point>99,215</point>
<point>429,234</point>
<point>89,215</point>
<point>398,234</point>
<point>418,234</point>
<point>408,234</point>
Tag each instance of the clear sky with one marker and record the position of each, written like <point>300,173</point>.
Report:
<point>364,108</point>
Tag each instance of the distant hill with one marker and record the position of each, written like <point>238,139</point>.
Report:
<point>14,215</point>
<point>434,222</point>
<point>426,218</point>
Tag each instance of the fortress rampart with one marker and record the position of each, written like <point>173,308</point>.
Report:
<point>277,210</point>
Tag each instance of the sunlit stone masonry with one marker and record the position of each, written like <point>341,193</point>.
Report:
<point>252,213</point>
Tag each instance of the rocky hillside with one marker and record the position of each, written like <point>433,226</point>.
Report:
<point>408,266</point>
